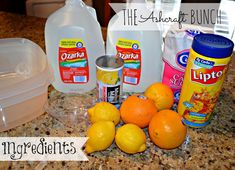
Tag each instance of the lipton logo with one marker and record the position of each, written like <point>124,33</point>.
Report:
<point>72,55</point>
<point>192,33</point>
<point>207,76</point>
<point>128,56</point>
<point>182,58</point>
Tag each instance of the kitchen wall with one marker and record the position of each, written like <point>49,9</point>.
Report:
<point>18,6</point>
<point>15,6</point>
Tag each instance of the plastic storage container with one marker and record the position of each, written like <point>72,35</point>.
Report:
<point>24,80</point>
<point>73,42</point>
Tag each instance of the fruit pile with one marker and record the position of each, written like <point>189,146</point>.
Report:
<point>151,110</point>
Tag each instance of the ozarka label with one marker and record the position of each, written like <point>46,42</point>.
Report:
<point>129,51</point>
<point>73,61</point>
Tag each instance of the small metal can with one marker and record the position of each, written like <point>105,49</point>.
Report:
<point>109,76</point>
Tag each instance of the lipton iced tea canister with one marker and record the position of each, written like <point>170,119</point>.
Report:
<point>109,75</point>
<point>205,72</point>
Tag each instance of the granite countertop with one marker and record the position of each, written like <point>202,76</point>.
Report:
<point>211,147</point>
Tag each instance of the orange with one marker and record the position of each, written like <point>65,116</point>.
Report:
<point>166,129</point>
<point>161,94</point>
<point>138,109</point>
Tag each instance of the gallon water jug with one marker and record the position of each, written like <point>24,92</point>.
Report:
<point>141,51</point>
<point>73,42</point>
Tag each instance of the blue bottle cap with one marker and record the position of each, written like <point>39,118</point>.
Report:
<point>212,45</point>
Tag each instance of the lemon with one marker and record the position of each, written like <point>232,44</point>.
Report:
<point>107,77</point>
<point>99,75</point>
<point>104,111</point>
<point>110,78</point>
<point>130,139</point>
<point>101,135</point>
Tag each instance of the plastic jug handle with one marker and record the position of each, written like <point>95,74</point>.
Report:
<point>74,2</point>
<point>82,4</point>
<point>2,116</point>
<point>92,11</point>
<point>136,1</point>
